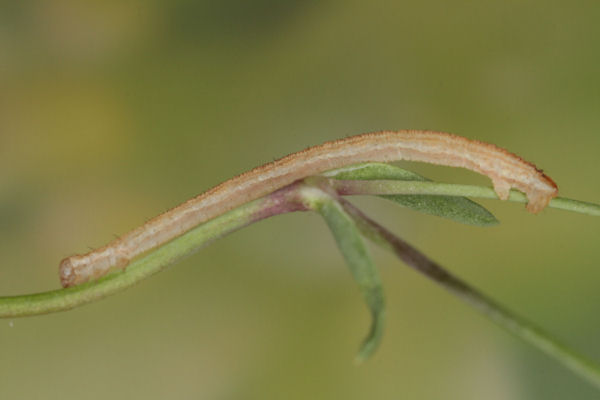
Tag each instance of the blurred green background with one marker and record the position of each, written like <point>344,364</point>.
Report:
<point>114,111</point>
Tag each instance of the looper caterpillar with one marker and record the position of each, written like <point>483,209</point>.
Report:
<point>506,170</point>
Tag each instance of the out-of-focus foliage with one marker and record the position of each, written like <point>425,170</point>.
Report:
<point>111,111</point>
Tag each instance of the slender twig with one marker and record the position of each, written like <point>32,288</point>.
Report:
<point>390,187</point>
<point>505,318</point>
<point>284,200</point>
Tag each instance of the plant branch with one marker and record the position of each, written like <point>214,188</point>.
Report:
<point>391,187</point>
<point>508,320</point>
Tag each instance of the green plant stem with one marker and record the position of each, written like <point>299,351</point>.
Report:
<point>64,299</point>
<point>508,320</point>
<point>281,201</point>
<point>391,187</point>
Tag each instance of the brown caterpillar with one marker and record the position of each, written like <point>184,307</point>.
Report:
<point>506,170</point>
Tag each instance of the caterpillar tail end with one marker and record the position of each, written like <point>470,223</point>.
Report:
<point>68,273</point>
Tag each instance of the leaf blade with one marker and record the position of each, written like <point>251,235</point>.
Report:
<point>458,209</point>
<point>358,259</point>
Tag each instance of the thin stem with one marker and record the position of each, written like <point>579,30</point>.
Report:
<point>508,320</point>
<point>279,202</point>
<point>389,187</point>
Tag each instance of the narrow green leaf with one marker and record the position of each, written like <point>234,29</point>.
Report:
<point>359,261</point>
<point>459,209</point>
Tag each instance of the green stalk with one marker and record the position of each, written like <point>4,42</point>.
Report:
<point>391,187</point>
